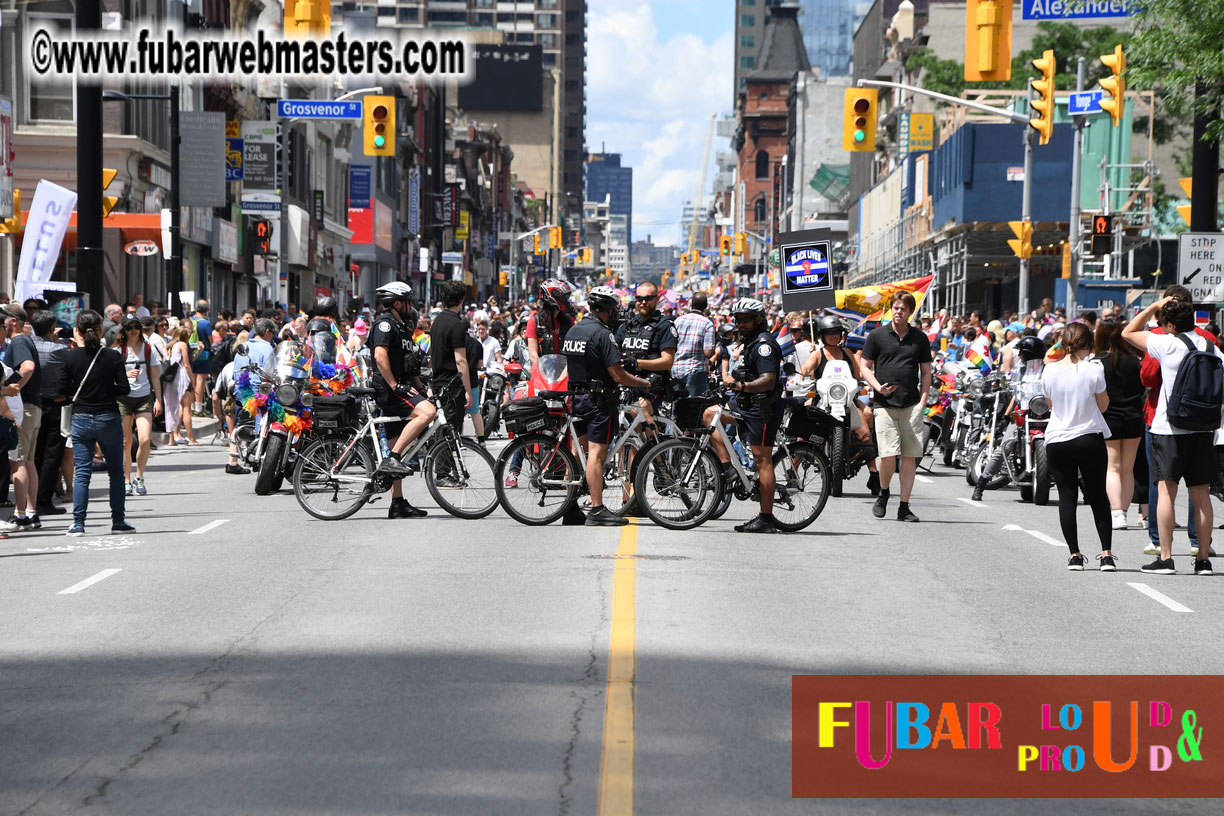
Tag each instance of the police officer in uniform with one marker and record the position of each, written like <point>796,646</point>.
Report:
<point>593,363</point>
<point>648,341</point>
<point>757,398</point>
<point>399,391</point>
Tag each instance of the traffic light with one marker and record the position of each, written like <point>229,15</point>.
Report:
<point>307,18</point>
<point>663,279</point>
<point>1043,102</point>
<point>13,225</point>
<point>1022,244</point>
<point>536,239</point>
<point>859,120</point>
<point>1113,101</point>
<point>684,259</point>
<point>741,244</point>
<point>261,236</point>
<point>378,121</point>
<point>108,202</point>
<point>502,278</point>
<point>724,245</point>
<point>988,30</point>
<point>1102,234</point>
<point>554,237</point>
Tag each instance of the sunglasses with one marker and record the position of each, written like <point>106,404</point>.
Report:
<point>645,298</point>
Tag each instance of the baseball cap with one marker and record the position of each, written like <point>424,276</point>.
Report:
<point>14,310</point>
<point>359,328</point>
<point>1015,326</point>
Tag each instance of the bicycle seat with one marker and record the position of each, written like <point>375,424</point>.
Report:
<point>359,391</point>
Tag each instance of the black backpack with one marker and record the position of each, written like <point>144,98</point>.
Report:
<point>1194,402</point>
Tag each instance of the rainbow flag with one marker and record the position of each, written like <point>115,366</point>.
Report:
<point>976,360</point>
<point>785,340</point>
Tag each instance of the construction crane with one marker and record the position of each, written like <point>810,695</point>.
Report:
<point>702,169</point>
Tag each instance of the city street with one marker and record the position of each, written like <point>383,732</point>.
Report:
<point>235,656</point>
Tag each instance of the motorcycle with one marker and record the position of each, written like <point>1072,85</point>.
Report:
<point>834,417</point>
<point>279,400</point>
<point>986,432</point>
<point>957,416</point>
<point>1032,472</point>
<point>492,398</point>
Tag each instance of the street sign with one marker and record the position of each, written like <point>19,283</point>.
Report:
<point>317,109</point>
<point>1084,103</point>
<point>1064,9</point>
<point>1200,265</point>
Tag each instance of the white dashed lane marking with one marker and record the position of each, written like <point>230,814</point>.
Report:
<point>212,525</point>
<point>1037,534</point>
<point>88,582</point>
<point>1159,597</point>
<point>972,503</point>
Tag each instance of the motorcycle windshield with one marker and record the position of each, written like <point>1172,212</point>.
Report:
<point>550,374</point>
<point>323,348</point>
<point>292,361</point>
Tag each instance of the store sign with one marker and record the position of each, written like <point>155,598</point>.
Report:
<point>141,249</point>
<point>227,242</point>
<point>464,230</point>
<point>260,193</point>
<point>6,158</point>
<point>414,201</point>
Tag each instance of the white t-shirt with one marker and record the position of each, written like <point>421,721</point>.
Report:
<point>1170,351</point>
<point>135,361</point>
<point>492,348</point>
<point>1072,390</point>
<point>803,350</point>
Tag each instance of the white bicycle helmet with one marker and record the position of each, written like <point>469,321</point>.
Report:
<point>388,293</point>
<point>602,298</point>
<point>750,306</point>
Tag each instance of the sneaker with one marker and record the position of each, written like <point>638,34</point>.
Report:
<point>1151,549</point>
<point>1076,562</point>
<point>603,517</point>
<point>392,467</point>
<point>401,509</point>
<point>140,486</point>
<point>760,524</point>
<point>1108,563</point>
<point>1119,519</point>
<point>12,525</point>
<point>25,524</point>
<point>512,480</point>
<point>905,514</point>
<point>35,522</point>
<point>237,470</point>
<point>1142,523</point>
<point>881,505</point>
<point>1202,566</point>
<point>129,488</point>
<point>1160,567</point>
<point>122,527</point>
<point>76,530</point>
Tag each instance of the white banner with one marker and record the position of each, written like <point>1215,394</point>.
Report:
<point>50,213</point>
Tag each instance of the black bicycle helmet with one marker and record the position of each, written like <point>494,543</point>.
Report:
<point>726,332</point>
<point>1030,348</point>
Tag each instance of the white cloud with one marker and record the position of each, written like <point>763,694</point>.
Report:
<point>650,97</point>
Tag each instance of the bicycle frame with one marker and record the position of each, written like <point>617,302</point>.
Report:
<point>370,428</point>
<point>746,481</point>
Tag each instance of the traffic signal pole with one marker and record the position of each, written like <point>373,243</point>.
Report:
<point>1204,172</point>
<point>1073,281</point>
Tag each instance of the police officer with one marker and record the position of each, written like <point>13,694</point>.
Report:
<point>648,341</point>
<point>594,365</point>
<point>399,391</point>
<point>757,398</point>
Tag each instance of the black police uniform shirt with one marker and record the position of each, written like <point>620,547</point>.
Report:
<point>590,350</point>
<point>390,332</point>
<point>648,339</point>
<point>761,356</point>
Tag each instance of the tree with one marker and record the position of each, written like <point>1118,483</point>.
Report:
<point>1176,44</point>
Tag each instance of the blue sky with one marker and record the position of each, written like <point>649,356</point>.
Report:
<point>656,70</point>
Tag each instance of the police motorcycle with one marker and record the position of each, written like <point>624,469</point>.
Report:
<point>957,416</point>
<point>280,402</point>
<point>834,418</point>
<point>991,395</point>
<point>1023,452</point>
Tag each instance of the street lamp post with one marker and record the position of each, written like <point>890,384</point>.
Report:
<point>174,261</point>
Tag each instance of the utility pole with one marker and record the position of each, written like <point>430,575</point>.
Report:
<point>1076,150</point>
<point>282,262</point>
<point>90,257</point>
<point>174,266</point>
<point>1026,215</point>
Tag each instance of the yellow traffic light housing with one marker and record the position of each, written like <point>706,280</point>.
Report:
<point>1113,101</point>
<point>307,18</point>
<point>1182,209</point>
<point>988,30</point>
<point>724,245</point>
<point>378,125</point>
<point>108,202</point>
<point>13,225</point>
<point>1043,102</point>
<point>1022,244</point>
<point>554,238</point>
<point>859,120</point>
<point>536,240</point>
<point>741,244</point>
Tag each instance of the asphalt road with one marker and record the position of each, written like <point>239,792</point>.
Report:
<point>236,656</point>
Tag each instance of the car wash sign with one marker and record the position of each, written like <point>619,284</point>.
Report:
<point>1066,9</point>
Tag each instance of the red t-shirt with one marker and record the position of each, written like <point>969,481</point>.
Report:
<point>1149,375</point>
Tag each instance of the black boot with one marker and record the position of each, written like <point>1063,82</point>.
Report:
<point>978,490</point>
<point>873,483</point>
<point>401,509</point>
<point>573,517</point>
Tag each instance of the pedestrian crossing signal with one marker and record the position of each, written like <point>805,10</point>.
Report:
<point>261,236</point>
<point>1102,234</point>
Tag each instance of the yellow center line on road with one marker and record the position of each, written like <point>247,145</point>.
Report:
<point>616,770</point>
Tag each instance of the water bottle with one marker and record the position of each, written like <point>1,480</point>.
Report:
<point>382,440</point>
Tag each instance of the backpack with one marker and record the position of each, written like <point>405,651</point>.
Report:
<point>198,346</point>
<point>1194,401</point>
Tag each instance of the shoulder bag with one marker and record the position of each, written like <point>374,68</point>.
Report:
<point>66,411</point>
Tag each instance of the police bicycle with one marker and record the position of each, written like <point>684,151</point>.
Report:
<point>335,475</point>
<point>680,483</point>
<point>552,463</point>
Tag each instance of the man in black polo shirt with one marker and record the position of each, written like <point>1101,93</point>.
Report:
<point>448,355</point>
<point>897,365</point>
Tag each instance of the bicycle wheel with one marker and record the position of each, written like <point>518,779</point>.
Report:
<point>543,477</point>
<point>802,485</point>
<point>678,484</point>
<point>330,483</point>
<point>618,479</point>
<point>461,480</point>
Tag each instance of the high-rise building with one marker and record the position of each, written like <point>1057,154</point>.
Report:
<point>828,33</point>
<point>607,179</point>
<point>557,26</point>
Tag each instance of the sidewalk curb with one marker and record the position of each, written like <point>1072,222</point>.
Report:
<point>203,427</point>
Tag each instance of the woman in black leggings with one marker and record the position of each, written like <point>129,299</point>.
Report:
<point>1075,441</point>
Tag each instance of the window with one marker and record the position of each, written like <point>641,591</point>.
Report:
<point>748,21</point>
<point>550,60</point>
<point>748,41</point>
<point>746,64</point>
<point>548,40</point>
<point>484,3</point>
<point>407,15</point>
<point>484,19</point>
<point>758,210</point>
<point>573,39</point>
<point>762,165</point>
<point>748,2</point>
<point>49,102</point>
<point>546,20</point>
<point>548,4</point>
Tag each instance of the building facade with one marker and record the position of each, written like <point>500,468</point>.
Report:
<point>607,179</point>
